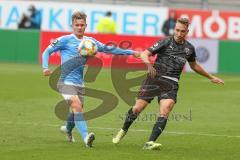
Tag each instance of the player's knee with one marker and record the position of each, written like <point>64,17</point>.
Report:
<point>166,111</point>
<point>76,105</point>
<point>136,109</point>
<point>139,106</point>
<point>77,108</point>
<point>165,115</point>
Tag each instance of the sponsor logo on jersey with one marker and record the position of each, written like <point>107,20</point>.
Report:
<point>187,51</point>
<point>54,43</point>
<point>154,46</point>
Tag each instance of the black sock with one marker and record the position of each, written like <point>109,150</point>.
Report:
<point>130,117</point>
<point>70,122</point>
<point>158,128</point>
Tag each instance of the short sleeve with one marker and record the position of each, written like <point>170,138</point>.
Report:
<point>53,47</point>
<point>57,44</point>
<point>158,46</point>
<point>192,57</point>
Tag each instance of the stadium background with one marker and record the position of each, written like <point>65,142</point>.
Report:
<point>215,31</point>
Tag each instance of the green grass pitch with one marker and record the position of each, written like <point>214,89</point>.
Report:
<point>204,124</point>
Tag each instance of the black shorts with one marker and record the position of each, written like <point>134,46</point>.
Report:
<point>160,87</point>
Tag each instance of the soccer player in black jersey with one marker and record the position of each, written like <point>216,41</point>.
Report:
<point>162,81</point>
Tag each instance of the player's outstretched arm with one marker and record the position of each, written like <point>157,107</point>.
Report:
<point>118,51</point>
<point>198,69</point>
<point>45,58</point>
<point>113,49</point>
<point>136,54</point>
<point>53,47</point>
<point>145,58</point>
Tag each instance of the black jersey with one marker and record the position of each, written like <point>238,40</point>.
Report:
<point>172,56</point>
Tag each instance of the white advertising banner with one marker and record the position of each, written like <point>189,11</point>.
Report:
<point>207,54</point>
<point>56,16</point>
<point>212,24</point>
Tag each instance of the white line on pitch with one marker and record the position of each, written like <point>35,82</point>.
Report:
<point>135,130</point>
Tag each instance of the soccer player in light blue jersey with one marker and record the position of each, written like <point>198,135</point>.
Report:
<point>71,82</point>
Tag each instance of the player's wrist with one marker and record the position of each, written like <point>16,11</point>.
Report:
<point>45,69</point>
<point>210,77</point>
<point>136,54</point>
<point>149,65</point>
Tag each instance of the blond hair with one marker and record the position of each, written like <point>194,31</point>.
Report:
<point>79,15</point>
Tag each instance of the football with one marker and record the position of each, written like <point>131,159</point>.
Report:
<point>87,48</point>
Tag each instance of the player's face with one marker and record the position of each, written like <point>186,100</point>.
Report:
<point>79,26</point>
<point>180,32</point>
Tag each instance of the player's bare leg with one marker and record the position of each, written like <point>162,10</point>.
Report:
<point>166,106</point>
<point>131,116</point>
<point>80,123</point>
<point>70,124</point>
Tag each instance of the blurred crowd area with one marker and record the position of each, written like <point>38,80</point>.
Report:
<point>214,29</point>
<point>198,4</point>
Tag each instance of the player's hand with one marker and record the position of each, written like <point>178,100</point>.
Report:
<point>136,54</point>
<point>47,72</point>
<point>216,80</point>
<point>151,71</point>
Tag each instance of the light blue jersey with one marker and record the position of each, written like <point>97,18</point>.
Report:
<point>72,63</point>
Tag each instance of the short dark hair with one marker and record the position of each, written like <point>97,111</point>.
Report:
<point>79,15</point>
<point>184,21</point>
<point>109,13</point>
